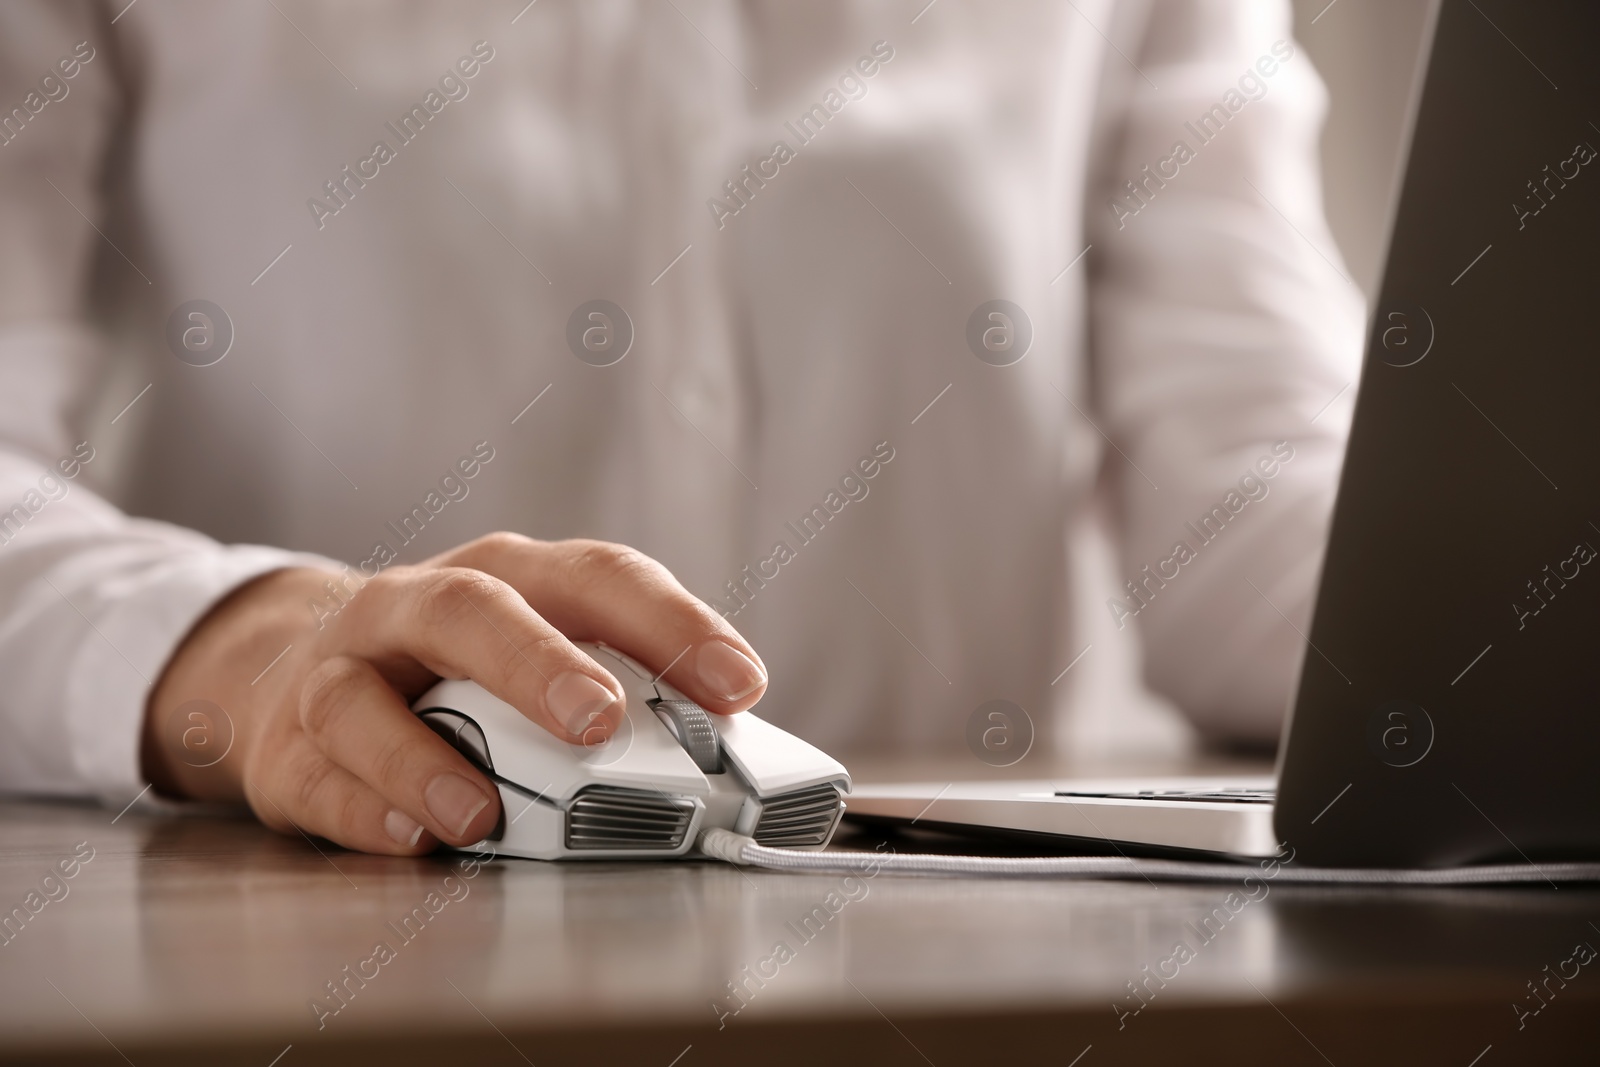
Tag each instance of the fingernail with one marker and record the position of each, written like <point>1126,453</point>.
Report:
<point>576,700</point>
<point>727,672</point>
<point>454,802</point>
<point>403,828</point>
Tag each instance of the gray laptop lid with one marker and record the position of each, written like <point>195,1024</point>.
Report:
<point>1449,707</point>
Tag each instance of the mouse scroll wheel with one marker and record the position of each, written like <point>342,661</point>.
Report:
<point>692,725</point>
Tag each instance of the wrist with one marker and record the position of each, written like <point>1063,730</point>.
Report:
<point>239,659</point>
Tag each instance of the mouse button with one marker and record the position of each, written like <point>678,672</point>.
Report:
<point>464,735</point>
<point>638,669</point>
<point>611,659</point>
<point>664,691</point>
<point>692,726</point>
<point>772,760</point>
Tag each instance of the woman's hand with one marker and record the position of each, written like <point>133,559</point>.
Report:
<point>324,740</point>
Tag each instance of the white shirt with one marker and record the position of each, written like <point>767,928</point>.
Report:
<point>777,347</point>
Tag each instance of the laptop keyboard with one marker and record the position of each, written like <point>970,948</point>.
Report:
<point>1213,796</point>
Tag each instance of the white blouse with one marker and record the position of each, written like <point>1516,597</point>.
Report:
<point>842,310</point>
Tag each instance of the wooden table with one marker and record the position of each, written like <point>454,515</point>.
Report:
<point>202,939</point>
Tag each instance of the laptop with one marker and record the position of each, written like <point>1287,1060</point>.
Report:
<point>1447,709</point>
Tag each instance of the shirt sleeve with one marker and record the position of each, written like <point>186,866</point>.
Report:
<point>1223,324</point>
<point>92,601</point>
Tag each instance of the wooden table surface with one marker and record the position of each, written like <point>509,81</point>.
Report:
<point>205,939</point>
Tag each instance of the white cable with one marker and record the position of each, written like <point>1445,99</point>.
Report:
<point>739,849</point>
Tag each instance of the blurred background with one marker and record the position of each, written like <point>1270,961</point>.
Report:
<point>1366,52</point>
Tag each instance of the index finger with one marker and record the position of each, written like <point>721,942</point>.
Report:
<point>463,623</point>
<point>598,591</point>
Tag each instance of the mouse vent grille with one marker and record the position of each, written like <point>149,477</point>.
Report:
<point>609,817</point>
<point>802,819</point>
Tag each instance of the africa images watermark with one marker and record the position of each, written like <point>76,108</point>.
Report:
<point>742,590</point>
<point>52,889</point>
<point>1135,196</point>
<point>453,86</point>
<point>1583,954</point>
<point>752,979</point>
<point>52,89</point>
<point>1583,553</point>
<point>1170,966</point>
<point>51,488</point>
<point>1252,487</point>
<point>453,487</point>
<point>852,86</point>
<point>342,988</point>
<point>1582,154</point>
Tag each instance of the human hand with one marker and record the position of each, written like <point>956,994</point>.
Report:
<point>324,740</point>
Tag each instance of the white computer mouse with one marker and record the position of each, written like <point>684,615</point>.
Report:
<point>670,770</point>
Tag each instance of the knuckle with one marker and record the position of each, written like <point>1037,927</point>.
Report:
<point>344,812</point>
<point>447,596</point>
<point>512,659</point>
<point>328,692</point>
<point>394,765</point>
<point>501,544</point>
<point>592,564</point>
<point>311,783</point>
